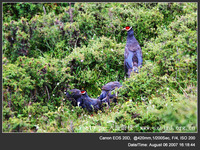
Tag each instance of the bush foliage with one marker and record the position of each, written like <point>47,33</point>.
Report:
<point>50,47</point>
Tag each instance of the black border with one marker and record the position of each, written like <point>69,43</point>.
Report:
<point>82,140</point>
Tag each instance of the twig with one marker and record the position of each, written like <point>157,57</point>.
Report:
<point>70,13</point>
<point>47,92</point>
<point>71,126</point>
<point>44,10</point>
<point>177,61</point>
<point>71,18</point>
<point>9,101</point>
<point>182,89</point>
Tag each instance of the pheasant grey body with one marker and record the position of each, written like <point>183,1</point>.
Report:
<point>106,95</point>
<point>89,103</point>
<point>73,96</point>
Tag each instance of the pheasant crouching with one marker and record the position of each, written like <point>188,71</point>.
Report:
<point>73,96</point>
<point>106,94</point>
<point>89,103</point>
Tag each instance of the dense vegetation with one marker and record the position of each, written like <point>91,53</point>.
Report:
<point>49,47</point>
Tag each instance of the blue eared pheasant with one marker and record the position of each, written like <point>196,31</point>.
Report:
<point>133,53</point>
<point>89,103</point>
<point>107,89</point>
<point>73,96</point>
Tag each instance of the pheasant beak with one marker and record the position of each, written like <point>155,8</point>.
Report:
<point>123,29</point>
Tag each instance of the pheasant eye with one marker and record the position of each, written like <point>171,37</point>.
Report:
<point>127,27</point>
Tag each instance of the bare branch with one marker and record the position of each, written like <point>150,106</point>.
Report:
<point>70,13</point>
<point>47,92</point>
<point>44,10</point>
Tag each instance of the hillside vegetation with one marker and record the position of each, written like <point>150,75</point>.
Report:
<point>49,47</point>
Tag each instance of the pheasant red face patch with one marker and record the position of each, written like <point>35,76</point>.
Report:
<point>83,92</point>
<point>127,27</point>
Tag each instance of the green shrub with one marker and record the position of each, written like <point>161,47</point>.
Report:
<point>60,46</point>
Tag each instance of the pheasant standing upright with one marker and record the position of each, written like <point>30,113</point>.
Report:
<point>133,53</point>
